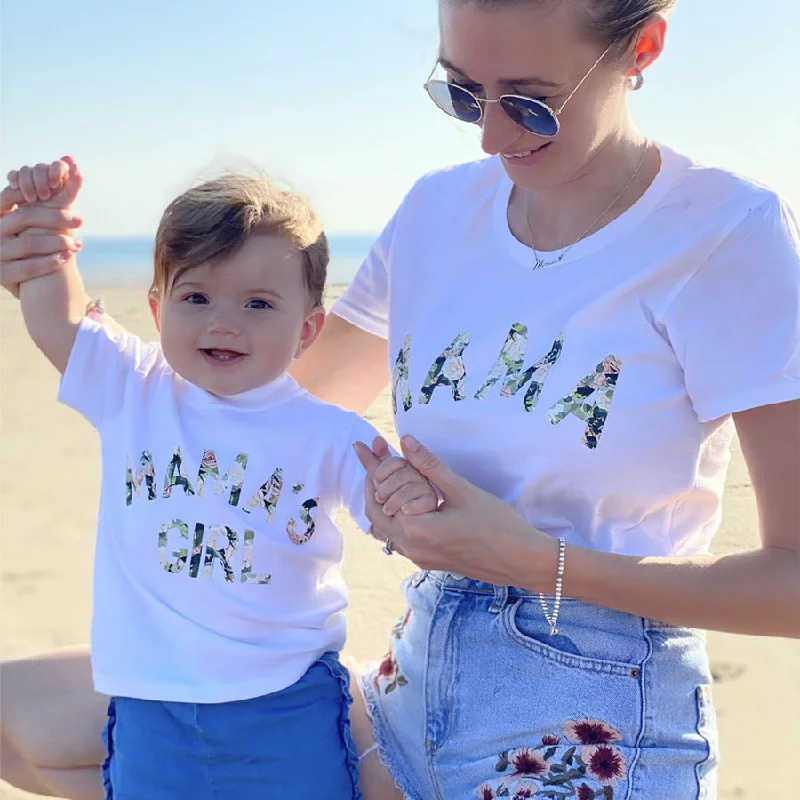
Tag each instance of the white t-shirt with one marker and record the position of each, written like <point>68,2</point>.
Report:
<point>217,561</point>
<point>594,396</point>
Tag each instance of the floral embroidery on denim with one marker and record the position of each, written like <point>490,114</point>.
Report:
<point>400,625</point>
<point>388,675</point>
<point>387,671</point>
<point>590,768</point>
<point>600,387</point>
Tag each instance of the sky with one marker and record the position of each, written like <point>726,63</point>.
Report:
<point>327,94</point>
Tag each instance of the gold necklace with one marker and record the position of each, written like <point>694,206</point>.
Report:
<point>540,262</point>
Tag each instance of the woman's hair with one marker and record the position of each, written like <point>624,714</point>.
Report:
<point>213,220</point>
<point>614,22</point>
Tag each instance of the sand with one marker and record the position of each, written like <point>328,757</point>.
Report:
<point>49,478</point>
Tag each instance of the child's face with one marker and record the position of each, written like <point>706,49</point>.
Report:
<point>238,324</point>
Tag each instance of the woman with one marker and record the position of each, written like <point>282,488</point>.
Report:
<point>576,327</point>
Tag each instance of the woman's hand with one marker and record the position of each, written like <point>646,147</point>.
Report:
<point>473,533</point>
<point>39,238</point>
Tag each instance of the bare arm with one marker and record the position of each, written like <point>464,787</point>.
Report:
<point>53,305</point>
<point>346,366</point>
<point>755,592</point>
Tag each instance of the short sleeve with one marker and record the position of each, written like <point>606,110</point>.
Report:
<point>353,475</point>
<point>735,325</point>
<point>98,371</point>
<point>365,302</point>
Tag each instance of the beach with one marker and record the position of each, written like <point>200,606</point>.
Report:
<point>49,481</point>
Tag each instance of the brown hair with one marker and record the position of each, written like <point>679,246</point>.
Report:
<point>613,22</point>
<point>213,220</point>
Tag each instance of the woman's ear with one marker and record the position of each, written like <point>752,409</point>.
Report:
<point>649,44</point>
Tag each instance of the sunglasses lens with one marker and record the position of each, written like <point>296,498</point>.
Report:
<point>534,117</point>
<point>454,100</point>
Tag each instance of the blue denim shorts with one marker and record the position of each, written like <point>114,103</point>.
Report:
<point>477,700</point>
<point>293,743</point>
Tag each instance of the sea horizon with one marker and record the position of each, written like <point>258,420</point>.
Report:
<point>128,260</point>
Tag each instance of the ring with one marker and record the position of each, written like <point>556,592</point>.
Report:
<point>388,548</point>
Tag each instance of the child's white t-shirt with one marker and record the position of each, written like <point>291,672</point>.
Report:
<point>594,396</point>
<point>217,560</point>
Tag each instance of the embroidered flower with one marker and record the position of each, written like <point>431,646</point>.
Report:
<point>527,761</point>
<point>590,731</point>
<point>605,764</point>
<point>387,669</point>
<point>525,789</point>
<point>398,629</point>
<point>387,673</point>
<point>584,793</point>
<point>550,740</point>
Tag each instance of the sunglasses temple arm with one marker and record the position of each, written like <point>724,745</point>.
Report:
<point>582,80</point>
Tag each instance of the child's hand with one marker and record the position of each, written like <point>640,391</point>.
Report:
<point>54,185</point>
<point>400,487</point>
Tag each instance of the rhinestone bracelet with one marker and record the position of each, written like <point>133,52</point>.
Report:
<point>553,620</point>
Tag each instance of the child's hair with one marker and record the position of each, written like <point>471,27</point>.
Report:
<point>214,219</point>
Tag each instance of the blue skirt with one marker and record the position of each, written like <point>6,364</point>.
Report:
<point>476,699</point>
<point>292,743</point>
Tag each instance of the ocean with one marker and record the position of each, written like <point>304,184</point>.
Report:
<point>129,261</point>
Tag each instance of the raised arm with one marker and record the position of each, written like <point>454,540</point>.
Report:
<point>53,305</point>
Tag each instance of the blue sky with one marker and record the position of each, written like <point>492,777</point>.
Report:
<point>149,95</point>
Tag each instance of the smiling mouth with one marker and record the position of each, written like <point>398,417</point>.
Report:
<point>217,356</point>
<point>526,153</point>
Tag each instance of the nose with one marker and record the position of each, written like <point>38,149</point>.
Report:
<point>224,322</point>
<point>499,130</point>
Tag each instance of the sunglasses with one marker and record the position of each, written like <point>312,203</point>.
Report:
<point>534,115</point>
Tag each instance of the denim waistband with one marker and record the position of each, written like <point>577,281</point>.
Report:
<point>453,582</point>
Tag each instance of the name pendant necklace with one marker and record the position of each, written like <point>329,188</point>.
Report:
<point>542,263</point>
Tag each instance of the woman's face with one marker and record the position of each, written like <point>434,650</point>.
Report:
<point>538,51</point>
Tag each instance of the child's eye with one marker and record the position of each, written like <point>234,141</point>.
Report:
<point>258,303</point>
<point>196,299</point>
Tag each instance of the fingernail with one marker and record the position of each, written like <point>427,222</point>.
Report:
<point>378,498</point>
<point>411,443</point>
<point>65,255</point>
<point>76,221</point>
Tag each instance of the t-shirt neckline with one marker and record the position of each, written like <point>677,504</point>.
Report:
<point>666,177</point>
<point>261,397</point>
